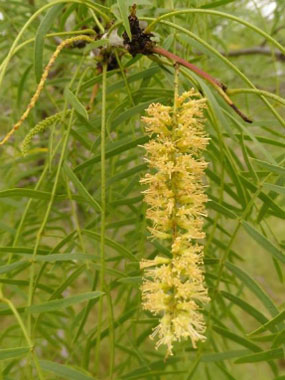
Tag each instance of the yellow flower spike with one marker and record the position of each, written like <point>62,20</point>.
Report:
<point>173,288</point>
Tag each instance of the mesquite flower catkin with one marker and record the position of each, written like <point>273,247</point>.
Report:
<point>173,288</point>
<point>41,127</point>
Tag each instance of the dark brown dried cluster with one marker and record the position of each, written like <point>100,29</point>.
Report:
<point>141,42</point>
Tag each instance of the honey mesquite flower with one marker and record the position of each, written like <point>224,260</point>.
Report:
<point>173,288</point>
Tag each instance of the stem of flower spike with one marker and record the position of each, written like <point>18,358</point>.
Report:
<point>103,216</point>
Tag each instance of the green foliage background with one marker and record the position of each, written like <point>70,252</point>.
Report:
<point>57,253</point>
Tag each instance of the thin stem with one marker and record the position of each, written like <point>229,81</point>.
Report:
<point>103,214</point>
<point>221,14</point>
<point>125,78</point>
<point>257,92</point>
<point>98,23</point>
<point>26,335</point>
<point>112,336</point>
<point>76,223</point>
<point>176,87</point>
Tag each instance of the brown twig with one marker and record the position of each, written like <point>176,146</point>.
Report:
<point>221,88</point>
<point>141,43</point>
<point>159,50</point>
<point>255,50</point>
<point>95,90</point>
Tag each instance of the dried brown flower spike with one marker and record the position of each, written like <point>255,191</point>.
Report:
<point>174,288</point>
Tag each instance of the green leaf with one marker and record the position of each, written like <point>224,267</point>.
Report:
<point>81,188</point>
<point>262,356</point>
<point>264,242</point>
<point>221,209</point>
<point>217,4</point>
<point>279,339</point>
<point>21,250</point>
<point>64,371</point>
<point>96,44</point>
<point>277,189</point>
<point>245,306</point>
<point>123,116</point>
<point>146,370</point>
<point>124,11</point>
<point>36,194</point>
<point>75,103</point>
<point>113,244</point>
<point>267,200</point>
<point>268,325</point>
<point>60,257</point>
<point>30,193</point>
<point>127,201</point>
<point>272,168</point>
<point>120,84</point>
<point>221,356</point>
<point>136,280</point>
<point>127,173</point>
<point>44,27</point>
<point>113,151</point>
<point>254,287</point>
<point>64,302</point>
<point>10,353</point>
<point>236,338</point>
<point>22,85</point>
<point>10,267</point>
